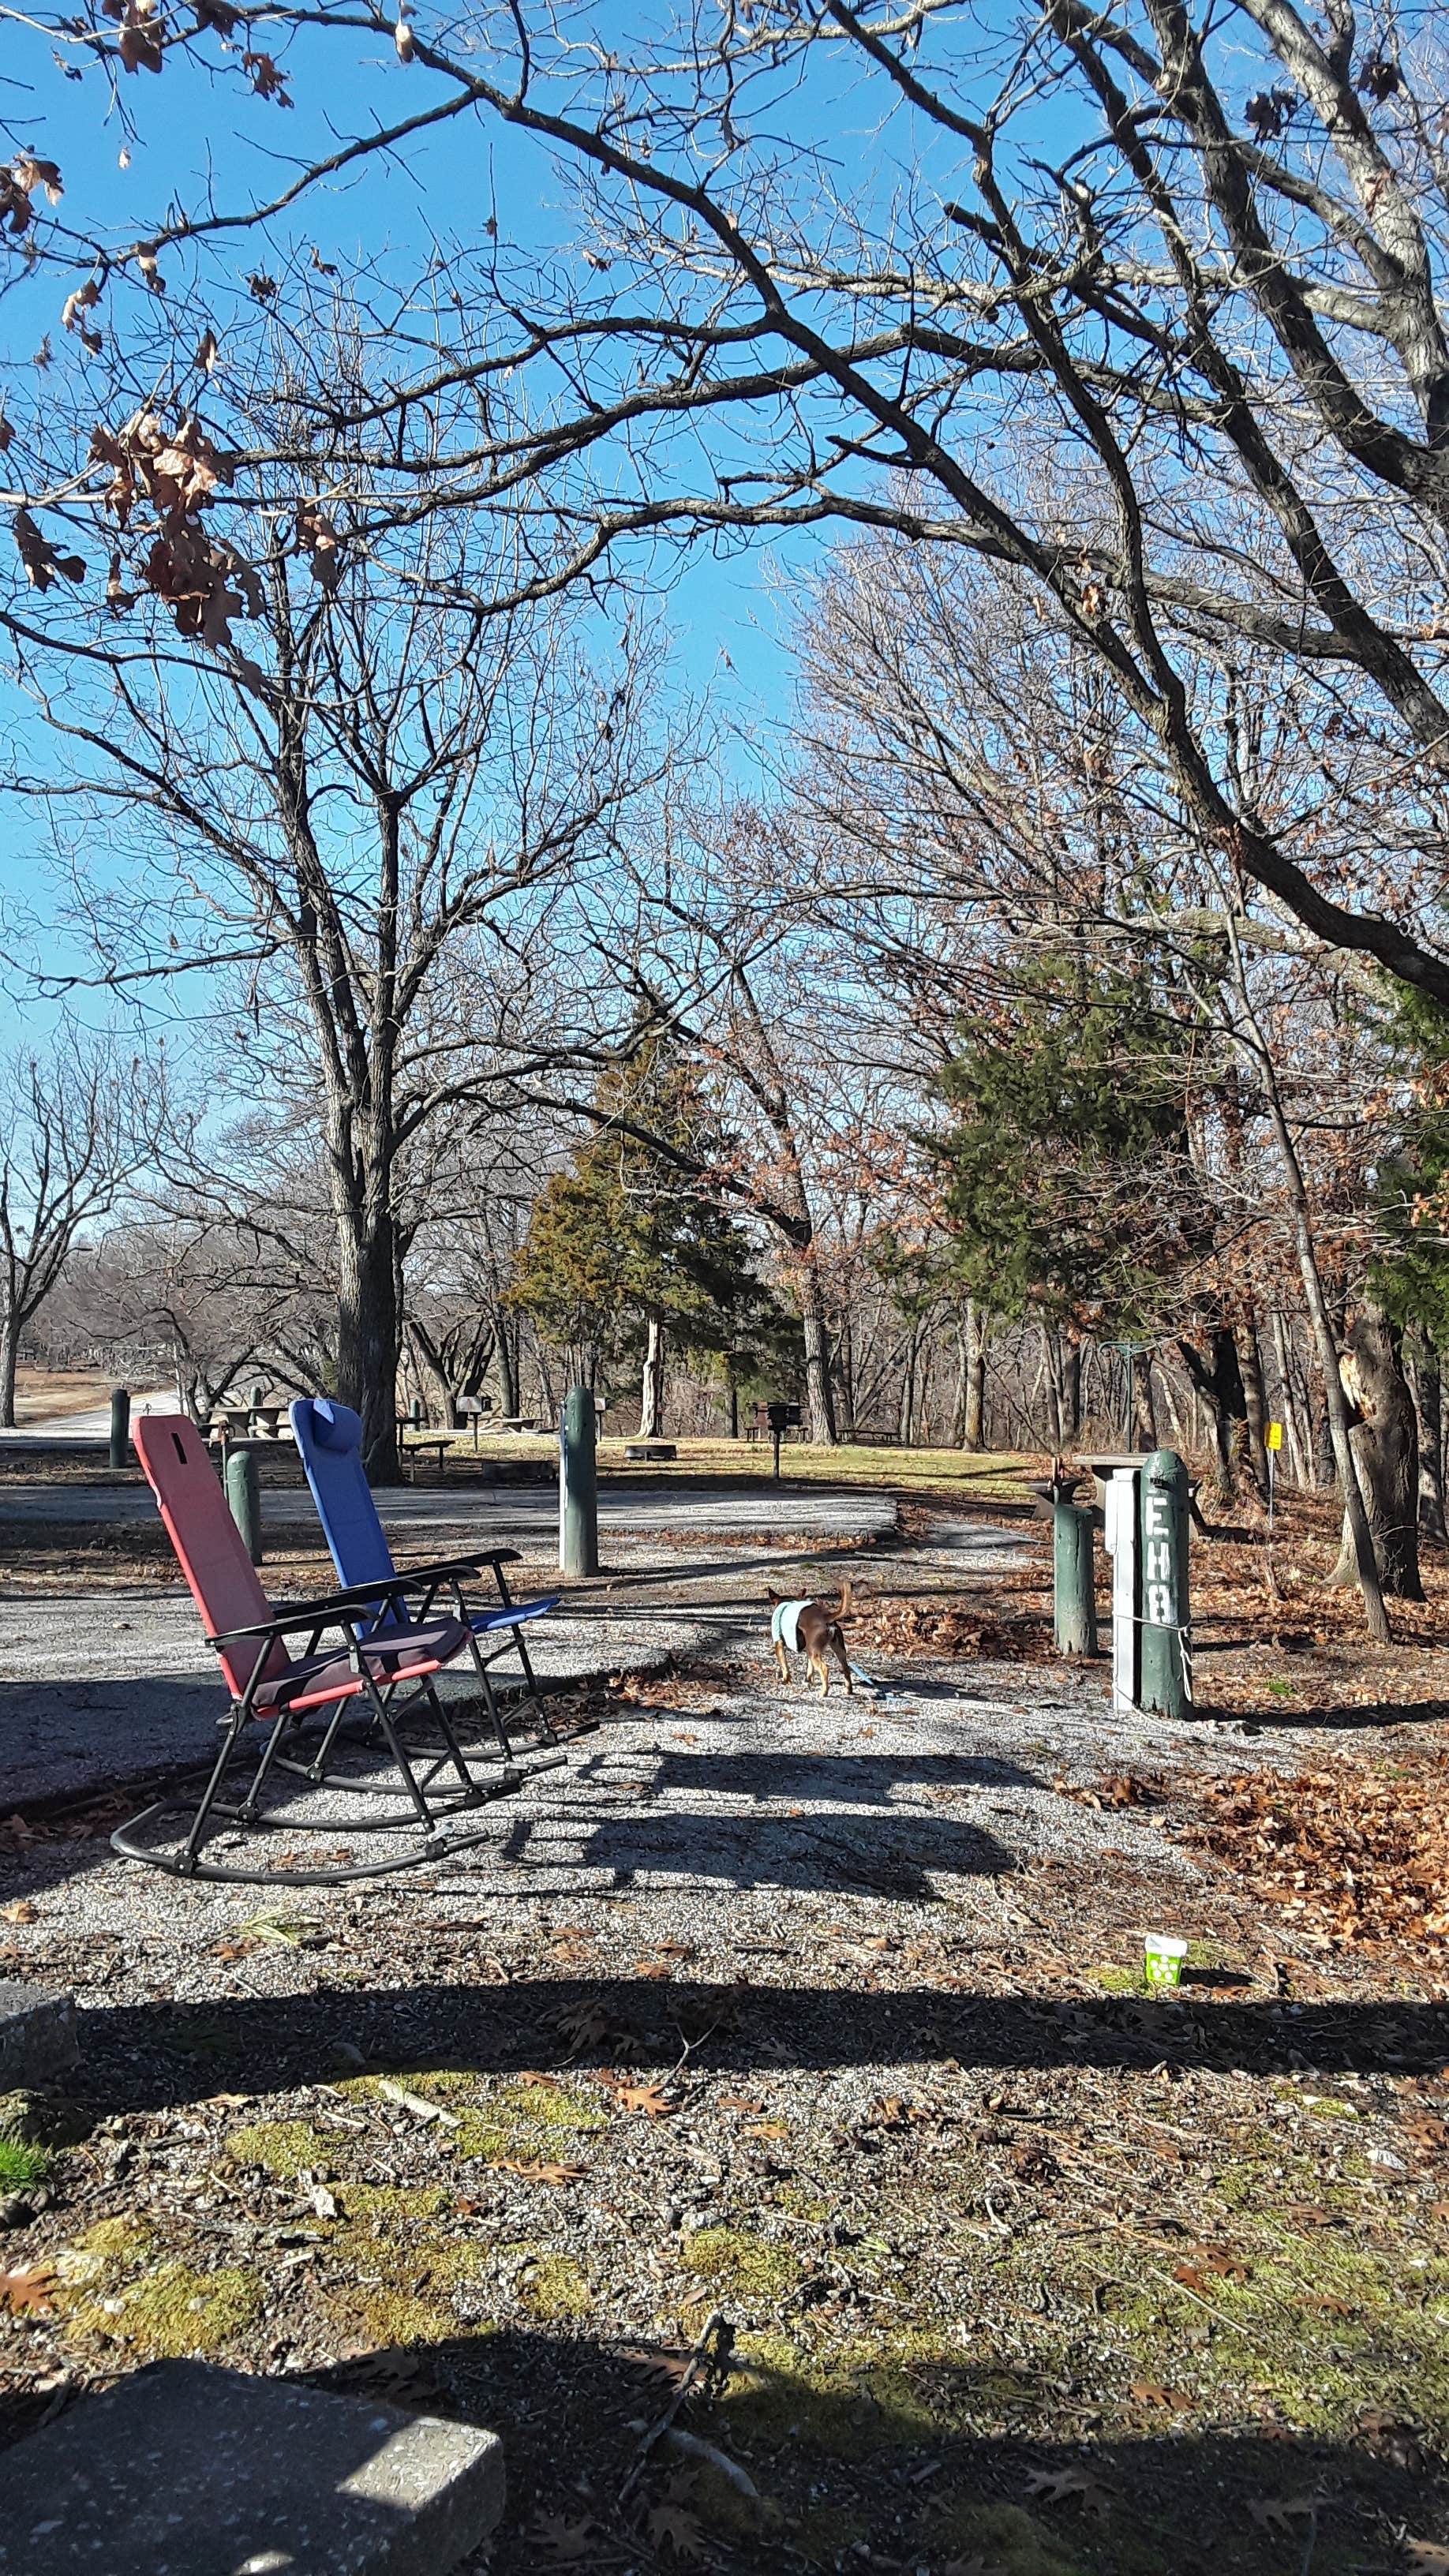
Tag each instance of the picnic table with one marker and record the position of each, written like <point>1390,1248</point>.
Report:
<point>243,1423</point>
<point>441,1441</point>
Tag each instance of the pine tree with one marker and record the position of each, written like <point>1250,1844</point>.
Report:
<point>1067,1167</point>
<point>629,1252</point>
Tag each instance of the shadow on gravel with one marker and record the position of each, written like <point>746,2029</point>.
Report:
<point>881,2464</point>
<point>825,1853</point>
<point>144,2055</point>
<point>1354,1719</point>
<point>889,2466</point>
<point>855,1779</point>
<point>884,2463</point>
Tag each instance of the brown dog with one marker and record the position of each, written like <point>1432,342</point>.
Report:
<point>813,1629</point>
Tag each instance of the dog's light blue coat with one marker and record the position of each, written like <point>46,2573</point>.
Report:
<point>785,1624</point>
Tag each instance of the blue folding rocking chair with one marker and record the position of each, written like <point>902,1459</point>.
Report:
<point>329,1444</point>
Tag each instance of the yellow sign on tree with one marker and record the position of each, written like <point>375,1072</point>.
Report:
<point>1274,1435</point>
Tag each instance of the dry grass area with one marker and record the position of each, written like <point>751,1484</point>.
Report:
<point>43,1393</point>
<point>944,1475</point>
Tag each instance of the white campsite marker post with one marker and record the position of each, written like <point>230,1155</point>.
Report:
<point>1121,1537</point>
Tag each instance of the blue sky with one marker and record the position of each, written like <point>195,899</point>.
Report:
<point>729,615</point>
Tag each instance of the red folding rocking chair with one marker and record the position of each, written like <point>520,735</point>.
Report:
<point>386,1679</point>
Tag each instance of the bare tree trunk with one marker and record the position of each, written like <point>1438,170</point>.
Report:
<point>1144,1415</point>
<point>545,1379</point>
<point>1325,1464</point>
<point>1385,1439</point>
<point>651,1393</point>
<point>1376,1617</point>
<point>1421,1368</point>
<point>906,1409</point>
<point>9,1356</point>
<point>845,1379</point>
<point>427,1362</point>
<point>958,1403</point>
<point>1295,1429</point>
<point>1070,1350</point>
<point>974,1423</point>
<point>1217,1379</point>
<point>1174,1417</point>
<point>367,1341</point>
<point>1250,1368</point>
<point>820,1403</point>
<point>1048,1378</point>
<point>507,1368</point>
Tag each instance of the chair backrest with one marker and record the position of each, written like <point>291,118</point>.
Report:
<point>329,1444</point>
<point>209,1547</point>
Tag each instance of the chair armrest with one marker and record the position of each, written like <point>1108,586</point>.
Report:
<point>291,1615</point>
<point>411,1577</point>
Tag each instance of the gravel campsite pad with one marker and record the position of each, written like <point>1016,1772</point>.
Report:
<point>767,2130</point>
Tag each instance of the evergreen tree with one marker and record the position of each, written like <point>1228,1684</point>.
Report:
<point>1411,1195</point>
<point>628,1252</point>
<point>1068,1180</point>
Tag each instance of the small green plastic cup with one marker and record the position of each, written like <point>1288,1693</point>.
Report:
<point>1163,1959</point>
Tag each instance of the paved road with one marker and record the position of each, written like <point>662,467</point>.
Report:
<point>90,1426</point>
<point>514,1515</point>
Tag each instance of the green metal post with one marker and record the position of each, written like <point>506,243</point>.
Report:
<point>578,1490</point>
<point>120,1425</point>
<point>1074,1586</point>
<point>239,1472</point>
<point>1166,1682</point>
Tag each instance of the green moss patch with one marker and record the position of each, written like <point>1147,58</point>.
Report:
<point>283,2147</point>
<point>412,2302</point>
<point>745,2265</point>
<point>480,2140</point>
<point>174,2311</point>
<point>1000,2536</point>
<point>386,2203</point>
<point>118,2245</point>
<point>861,2396</point>
<point>387,2316</point>
<point>42,2119</point>
<point>553,2288</point>
<point>553,2106</point>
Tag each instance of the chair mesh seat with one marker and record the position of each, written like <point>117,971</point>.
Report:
<point>404,1652</point>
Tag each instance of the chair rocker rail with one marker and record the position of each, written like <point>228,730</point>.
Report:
<point>436,1847</point>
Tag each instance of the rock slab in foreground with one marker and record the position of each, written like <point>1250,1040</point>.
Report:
<point>37,2033</point>
<point>188,2470</point>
